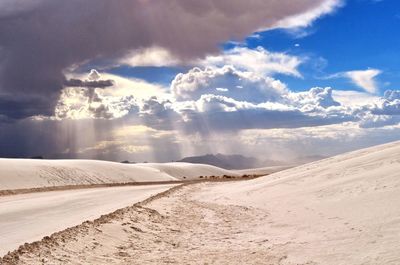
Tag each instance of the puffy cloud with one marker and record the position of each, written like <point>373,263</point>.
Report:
<point>389,104</point>
<point>218,113</point>
<point>313,108</point>
<point>382,112</point>
<point>84,100</point>
<point>76,103</point>
<point>109,102</point>
<point>42,38</point>
<point>316,97</point>
<point>370,120</point>
<point>222,113</point>
<point>392,95</point>
<point>158,113</point>
<point>244,86</point>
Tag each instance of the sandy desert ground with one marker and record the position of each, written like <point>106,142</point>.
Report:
<point>341,210</point>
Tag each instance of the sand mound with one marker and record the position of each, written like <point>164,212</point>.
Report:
<point>27,174</point>
<point>341,210</point>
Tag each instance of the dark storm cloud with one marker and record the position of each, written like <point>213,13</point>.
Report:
<point>39,39</point>
<point>17,108</point>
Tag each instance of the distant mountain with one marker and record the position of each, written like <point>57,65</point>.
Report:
<point>229,161</point>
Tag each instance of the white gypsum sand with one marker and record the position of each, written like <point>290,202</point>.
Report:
<point>29,173</point>
<point>342,210</point>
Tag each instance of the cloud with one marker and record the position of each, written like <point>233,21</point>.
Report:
<point>354,98</point>
<point>114,100</point>
<point>365,79</point>
<point>12,7</point>
<point>76,103</point>
<point>14,108</point>
<point>306,18</point>
<point>389,104</point>
<point>222,99</point>
<point>147,57</point>
<point>315,98</point>
<point>382,112</point>
<point>83,99</point>
<point>41,39</point>
<point>214,112</point>
<point>259,61</point>
<point>219,99</point>
<point>291,144</point>
<point>245,86</point>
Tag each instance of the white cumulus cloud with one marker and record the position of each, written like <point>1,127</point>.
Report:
<point>244,86</point>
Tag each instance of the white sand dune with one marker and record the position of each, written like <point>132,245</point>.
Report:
<point>341,210</point>
<point>28,174</point>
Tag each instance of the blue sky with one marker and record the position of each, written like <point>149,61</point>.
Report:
<point>362,34</point>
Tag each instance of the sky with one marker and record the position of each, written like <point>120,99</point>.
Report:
<point>150,80</point>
